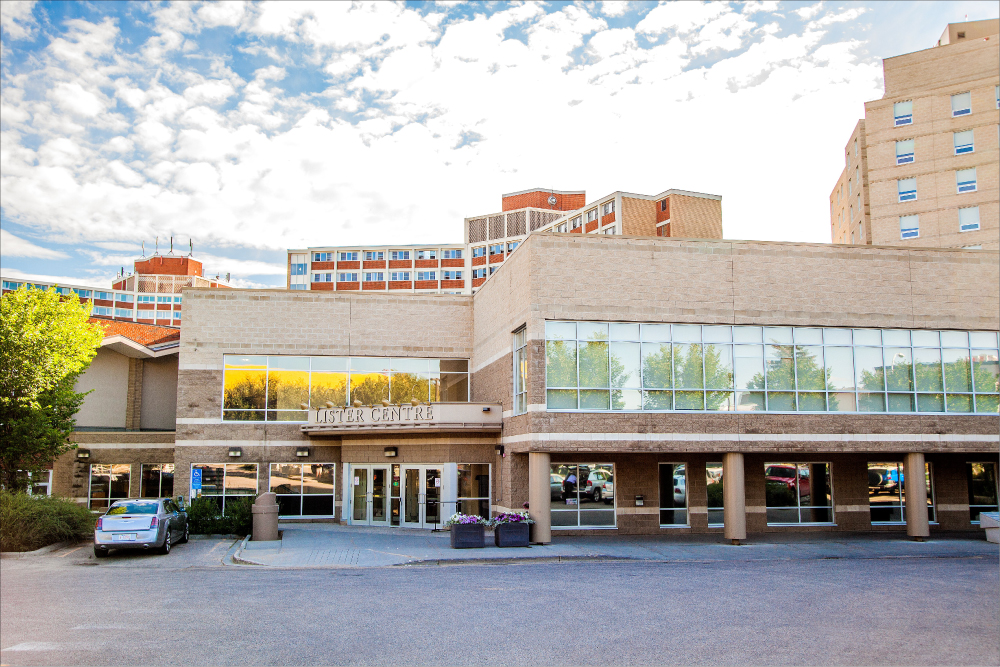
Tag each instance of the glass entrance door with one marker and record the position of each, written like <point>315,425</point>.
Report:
<point>421,497</point>
<point>369,496</point>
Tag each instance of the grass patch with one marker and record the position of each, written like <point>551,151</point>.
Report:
<point>32,522</point>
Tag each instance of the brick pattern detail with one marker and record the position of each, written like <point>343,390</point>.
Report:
<point>607,219</point>
<point>328,266</point>
<point>324,287</point>
<point>373,285</point>
<point>695,217</point>
<point>661,213</point>
<point>497,230</point>
<point>425,284</point>
<point>477,230</point>
<point>452,284</point>
<point>143,334</point>
<point>346,286</point>
<point>348,265</point>
<point>540,199</point>
<point>476,282</point>
<point>133,399</point>
<point>496,259</point>
<point>145,306</point>
<point>478,261</point>
<point>400,264</point>
<point>425,263</point>
<point>460,263</point>
<point>169,266</point>
<point>638,217</point>
<point>590,226</point>
<point>374,264</point>
<point>400,284</point>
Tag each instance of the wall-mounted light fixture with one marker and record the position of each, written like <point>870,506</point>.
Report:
<point>235,452</point>
<point>304,406</point>
<point>500,450</point>
<point>390,451</point>
<point>486,409</point>
<point>302,451</point>
<point>83,453</point>
<point>639,501</point>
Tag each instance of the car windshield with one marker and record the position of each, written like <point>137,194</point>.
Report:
<point>134,507</point>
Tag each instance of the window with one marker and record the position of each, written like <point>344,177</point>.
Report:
<point>592,215</point>
<point>349,256</point>
<point>966,180</point>
<point>374,255</point>
<point>400,255</point>
<point>427,254</point>
<point>493,270</point>
<point>496,249</point>
<point>968,218</point>
<point>478,273</point>
<point>716,500</point>
<point>157,480</point>
<point>177,313</point>
<point>347,277</point>
<point>520,371</point>
<point>903,112</point>
<point>82,293</point>
<point>298,270</point>
<point>103,295</point>
<point>426,275</point>
<point>673,494</point>
<point>887,493</point>
<point>474,489</point>
<point>997,92</point>
<point>798,493</point>
<point>904,151</point>
<point>11,285</point>
<point>961,104</point>
<point>146,299</point>
<point>582,495</point>
<point>850,187</point>
<point>855,148</point>
<point>123,298</point>
<point>851,212</point>
<point>399,275</point>
<point>452,275</point>
<point>982,479</point>
<point>225,481</point>
<point>610,230</point>
<point>323,277</point>
<point>561,227</point>
<point>108,482</point>
<point>907,188</point>
<point>160,314</point>
<point>326,256</point>
<point>374,276</point>
<point>663,205</point>
<point>303,489</point>
<point>963,142</point>
<point>177,299</point>
<point>609,207</point>
<point>909,226</point>
<point>451,254</point>
<point>577,222</point>
<point>127,312</point>
<point>40,483</point>
<point>273,388</point>
<point>164,299</point>
<point>101,311</point>
<point>479,252</point>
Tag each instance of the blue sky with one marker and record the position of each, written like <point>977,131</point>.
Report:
<point>252,128</point>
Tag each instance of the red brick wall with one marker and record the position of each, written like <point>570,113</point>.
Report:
<point>328,287</point>
<point>163,306</point>
<point>578,230</point>
<point>342,286</point>
<point>454,262</point>
<point>591,226</point>
<point>374,285</point>
<point>400,284</point>
<point>607,219</point>
<point>660,214</point>
<point>452,284</point>
<point>400,264</point>
<point>343,265</point>
<point>373,264</point>
<point>171,266</point>
<point>496,259</point>
<point>425,284</point>
<point>540,199</point>
<point>324,266</point>
<point>476,282</point>
<point>477,261</point>
<point>145,306</point>
<point>425,263</point>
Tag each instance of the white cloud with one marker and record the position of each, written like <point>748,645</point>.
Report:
<point>808,12</point>
<point>615,7</point>
<point>15,246</point>
<point>16,20</point>
<point>83,281</point>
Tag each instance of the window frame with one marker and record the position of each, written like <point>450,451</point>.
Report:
<point>798,496</point>
<point>302,495</point>
<point>520,369</point>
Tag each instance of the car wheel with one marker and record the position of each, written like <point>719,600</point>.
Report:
<point>597,495</point>
<point>187,532</point>
<point>100,553</point>
<point>165,549</point>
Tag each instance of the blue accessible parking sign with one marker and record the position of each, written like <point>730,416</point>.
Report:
<point>196,479</point>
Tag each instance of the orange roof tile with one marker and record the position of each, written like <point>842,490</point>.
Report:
<point>144,334</point>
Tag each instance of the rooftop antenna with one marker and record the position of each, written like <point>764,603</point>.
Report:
<point>190,247</point>
<point>157,250</point>
<point>143,244</point>
<point>227,277</point>
<point>171,245</point>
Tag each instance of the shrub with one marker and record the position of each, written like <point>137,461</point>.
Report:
<point>716,493</point>
<point>204,518</point>
<point>32,522</point>
<point>239,515</point>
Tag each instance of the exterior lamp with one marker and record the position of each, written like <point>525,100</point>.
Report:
<point>415,402</point>
<point>304,406</point>
<point>83,453</point>
<point>302,451</point>
<point>390,451</point>
<point>235,452</point>
<point>329,404</point>
<point>639,501</point>
<point>357,404</point>
<point>385,402</point>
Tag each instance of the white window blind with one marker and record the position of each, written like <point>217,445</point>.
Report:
<point>903,112</point>
<point>961,104</point>
<point>968,218</point>
<point>963,142</point>
<point>909,226</point>
<point>966,180</point>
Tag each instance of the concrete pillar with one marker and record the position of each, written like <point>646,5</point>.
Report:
<point>734,498</point>
<point>539,498</point>
<point>915,484</point>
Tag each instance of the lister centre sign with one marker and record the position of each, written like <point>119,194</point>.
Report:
<point>394,414</point>
<point>423,418</point>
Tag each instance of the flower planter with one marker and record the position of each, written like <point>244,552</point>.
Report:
<point>467,536</point>
<point>511,535</point>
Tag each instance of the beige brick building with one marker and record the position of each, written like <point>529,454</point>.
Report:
<point>922,167</point>
<point>763,396</point>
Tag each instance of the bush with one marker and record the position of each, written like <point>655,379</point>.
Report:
<point>204,517</point>
<point>716,494</point>
<point>32,522</point>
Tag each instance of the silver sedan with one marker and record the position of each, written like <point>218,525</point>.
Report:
<point>141,523</point>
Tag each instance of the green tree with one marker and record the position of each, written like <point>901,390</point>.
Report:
<point>46,342</point>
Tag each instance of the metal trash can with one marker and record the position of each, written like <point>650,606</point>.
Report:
<point>265,518</point>
<point>990,522</point>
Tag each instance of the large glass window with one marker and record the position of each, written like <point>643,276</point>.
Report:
<point>887,493</point>
<point>474,489</point>
<point>157,480</point>
<point>598,366</point>
<point>582,495</point>
<point>798,493</point>
<point>716,497</point>
<point>982,478</point>
<point>673,494</point>
<point>108,482</point>
<point>222,481</point>
<point>275,388</point>
<point>303,489</point>
<point>520,372</point>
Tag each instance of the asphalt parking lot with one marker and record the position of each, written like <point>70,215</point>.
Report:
<point>190,608</point>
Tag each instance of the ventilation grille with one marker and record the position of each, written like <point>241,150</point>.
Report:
<point>477,230</point>
<point>496,227</point>
<point>515,223</point>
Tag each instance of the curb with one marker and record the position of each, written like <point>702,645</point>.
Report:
<point>37,552</point>
<point>238,556</point>
<point>530,560</point>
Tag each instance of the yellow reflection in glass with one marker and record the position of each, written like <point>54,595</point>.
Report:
<point>407,386</point>
<point>330,387</point>
<point>287,389</point>
<point>369,388</point>
<point>244,390</point>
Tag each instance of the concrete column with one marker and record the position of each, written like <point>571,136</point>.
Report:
<point>915,484</point>
<point>539,497</point>
<point>133,396</point>
<point>734,498</point>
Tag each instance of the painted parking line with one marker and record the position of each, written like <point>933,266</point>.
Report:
<point>63,555</point>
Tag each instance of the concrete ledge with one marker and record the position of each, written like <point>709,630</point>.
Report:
<point>36,552</point>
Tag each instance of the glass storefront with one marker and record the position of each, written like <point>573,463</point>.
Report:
<point>303,489</point>
<point>582,495</point>
<point>593,366</point>
<point>157,480</point>
<point>887,493</point>
<point>798,493</point>
<point>714,491</point>
<point>226,481</point>
<point>982,478</point>
<point>108,482</point>
<point>266,388</point>
<point>474,489</point>
<point>673,494</point>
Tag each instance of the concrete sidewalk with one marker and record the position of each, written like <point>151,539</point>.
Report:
<point>333,545</point>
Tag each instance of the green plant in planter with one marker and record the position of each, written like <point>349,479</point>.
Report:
<point>466,519</point>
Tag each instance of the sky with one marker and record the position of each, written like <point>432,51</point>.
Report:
<point>247,129</point>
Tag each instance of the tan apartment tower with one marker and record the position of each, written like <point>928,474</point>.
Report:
<point>923,166</point>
